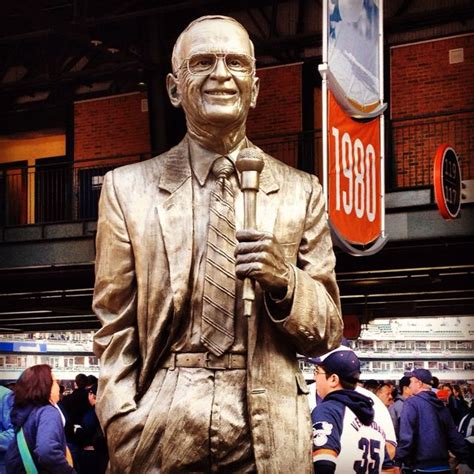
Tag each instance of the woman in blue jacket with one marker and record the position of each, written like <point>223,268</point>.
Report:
<point>36,413</point>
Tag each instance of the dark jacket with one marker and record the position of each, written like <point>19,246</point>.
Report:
<point>44,434</point>
<point>395,410</point>
<point>358,403</point>
<point>458,408</point>
<point>466,428</point>
<point>427,433</point>
<point>74,406</point>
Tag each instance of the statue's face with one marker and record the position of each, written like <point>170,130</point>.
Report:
<point>216,81</point>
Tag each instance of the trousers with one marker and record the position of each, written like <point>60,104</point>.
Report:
<point>198,422</point>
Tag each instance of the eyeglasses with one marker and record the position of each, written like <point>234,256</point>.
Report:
<point>319,372</point>
<point>202,64</point>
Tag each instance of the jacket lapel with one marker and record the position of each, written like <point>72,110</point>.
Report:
<point>176,218</point>
<point>267,198</point>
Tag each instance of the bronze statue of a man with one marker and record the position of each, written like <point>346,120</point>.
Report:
<point>187,383</point>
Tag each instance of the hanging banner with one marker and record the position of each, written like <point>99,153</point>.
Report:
<point>354,176</point>
<point>353,125</point>
<point>353,56</point>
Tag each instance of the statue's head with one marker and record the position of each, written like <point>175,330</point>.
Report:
<point>213,77</point>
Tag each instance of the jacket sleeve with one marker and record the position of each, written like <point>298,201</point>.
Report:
<point>6,428</point>
<point>50,443</point>
<point>394,411</point>
<point>457,444</point>
<point>115,304</point>
<point>314,322</point>
<point>408,424</point>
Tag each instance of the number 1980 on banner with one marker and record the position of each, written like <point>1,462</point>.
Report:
<point>354,176</point>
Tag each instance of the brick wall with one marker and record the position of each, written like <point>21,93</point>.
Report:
<point>110,126</point>
<point>278,108</point>
<point>278,112</point>
<point>423,86</point>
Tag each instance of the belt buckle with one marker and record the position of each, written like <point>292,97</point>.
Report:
<point>214,362</point>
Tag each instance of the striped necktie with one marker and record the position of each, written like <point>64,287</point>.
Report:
<point>217,321</point>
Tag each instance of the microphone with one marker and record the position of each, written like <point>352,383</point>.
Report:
<point>250,164</point>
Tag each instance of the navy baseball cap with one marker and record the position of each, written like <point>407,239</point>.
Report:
<point>342,362</point>
<point>423,375</point>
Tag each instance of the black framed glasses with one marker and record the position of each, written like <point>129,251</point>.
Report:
<point>319,372</point>
<point>202,64</point>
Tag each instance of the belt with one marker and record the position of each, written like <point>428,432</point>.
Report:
<point>204,360</point>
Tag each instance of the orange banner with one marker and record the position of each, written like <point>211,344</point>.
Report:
<point>354,176</point>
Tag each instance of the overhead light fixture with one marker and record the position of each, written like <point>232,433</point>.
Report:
<point>94,87</point>
<point>113,50</point>
<point>35,97</point>
<point>96,42</point>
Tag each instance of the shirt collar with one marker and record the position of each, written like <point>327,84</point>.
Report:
<point>202,159</point>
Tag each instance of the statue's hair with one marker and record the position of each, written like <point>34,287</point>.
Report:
<point>175,58</point>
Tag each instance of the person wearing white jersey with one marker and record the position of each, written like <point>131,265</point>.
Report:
<point>384,421</point>
<point>381,417</point>
<point>346,439</point>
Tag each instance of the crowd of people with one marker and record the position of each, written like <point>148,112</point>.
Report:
<point>417,426</point>
<point>43,429</point>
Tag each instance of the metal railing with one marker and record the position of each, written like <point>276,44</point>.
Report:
<point>414,142</point>
<point>300,150</point>
<point>69,191</point>
<point>58,192</point>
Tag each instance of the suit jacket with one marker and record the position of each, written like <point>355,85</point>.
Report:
<point>143,269</point>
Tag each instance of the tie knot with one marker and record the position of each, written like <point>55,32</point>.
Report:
<point>222,168</point>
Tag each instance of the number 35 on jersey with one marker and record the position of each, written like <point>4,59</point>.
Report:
<point>354,176</point>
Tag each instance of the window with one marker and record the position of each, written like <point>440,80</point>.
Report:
<point>383,346</point>
<point>420,346</point>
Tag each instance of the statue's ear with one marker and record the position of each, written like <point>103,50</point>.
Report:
<point>172,86</point>
<point>255,89</point>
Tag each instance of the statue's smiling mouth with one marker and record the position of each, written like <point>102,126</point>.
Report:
<point>221,93</point>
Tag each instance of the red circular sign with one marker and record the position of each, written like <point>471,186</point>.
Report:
<point>447,182</point>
